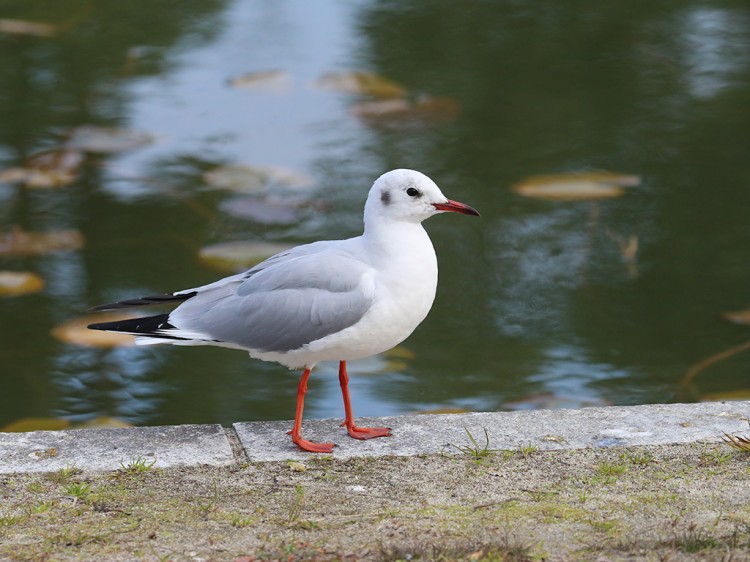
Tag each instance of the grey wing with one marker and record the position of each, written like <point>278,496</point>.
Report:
<point>282,304</point>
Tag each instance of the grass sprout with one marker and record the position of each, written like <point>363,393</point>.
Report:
<point>474,450</point>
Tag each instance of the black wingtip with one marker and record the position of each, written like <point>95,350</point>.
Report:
<point>147,326</point>
<point>168,298</point>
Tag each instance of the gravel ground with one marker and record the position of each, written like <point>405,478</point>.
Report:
<point>675,502</point>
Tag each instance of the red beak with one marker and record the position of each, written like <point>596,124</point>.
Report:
<point>456,207</point>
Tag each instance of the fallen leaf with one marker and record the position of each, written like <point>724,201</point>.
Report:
<point>239,254</point>
<point>254,179</point>
<point>446,410</point>
<point>31,177</point>
<point>400,352</point>
<point>262,80</point>
<point>50,168</point>
<point>402,113</point>
<point>237,177</point>
<point>56,424</point>
<point>740,394</point>
<point>30,243</point>
<point>297,466</point>
<point>63,159</point>
<point>23,27</point>
<point>106,140</point>
<point>76,332</point>
<point>286,178</point>
<point>550,401</point>
<point>14,283</point>
<point>262,211</point>
<point>576,186</point>
<point>738,316</point>
<point>46,453</point>
<point>102,422</point>
<point>36,424</point>
<point>361,83</point>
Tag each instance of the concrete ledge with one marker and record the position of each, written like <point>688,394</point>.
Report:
<point>193,445</point>
<point>110,449</point>
<point>547,429</point>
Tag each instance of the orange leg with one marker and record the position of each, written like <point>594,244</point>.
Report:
<point>354,431</point>
<point>297,429</point>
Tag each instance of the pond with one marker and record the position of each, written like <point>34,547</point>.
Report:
<point>542,303</point>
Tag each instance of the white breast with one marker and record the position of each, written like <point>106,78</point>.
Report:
<point>403,284</point>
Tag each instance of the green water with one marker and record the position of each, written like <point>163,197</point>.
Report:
<point>536,306</point>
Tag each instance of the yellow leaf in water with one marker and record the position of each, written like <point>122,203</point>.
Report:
<point>76,332</point>
<point>23,27</point>
<point>740,394</point>
<point>446,410</point>
<point>32,177</point>
<point>102,422</point>
<point>254,179</point>
<point>237,177</point>
<point>239,254</point>
<point>738,316</point>
<point>30,243</point>
<point>402,113</point>
<point>50,168</point>
<point>400,352</point>
<point>269,80</point>
<point>106,140</point>
<point>14,283</point>
<point>36,424</point>
<point>361,83</point>
<point>576,186</point>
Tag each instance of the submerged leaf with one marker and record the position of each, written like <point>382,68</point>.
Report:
<point>29,243</point>
<point>738,316</point>
<point>739,394</point>
<point>261,80</point>
<point>402,113</point>
<point>24,27</point>
<point>76,332</point>
<point>254,179</point>
<point>14,283</point>
<point>362,83</point>
<point>32,177</point>
<point>237,177</point>
<point>56,424</point>
<point>50,168</point>
<point>102,422</point>
<point>551,401</point>
<point>445,410</point>
<point>576,186</point>
<point>36,424</point>
<point>262,211</point>
<point>106,140</point>
<point>239,254</point>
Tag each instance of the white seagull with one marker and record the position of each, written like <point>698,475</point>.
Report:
<point>334,300</point>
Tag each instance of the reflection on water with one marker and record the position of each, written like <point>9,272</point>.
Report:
<point>536,307</point>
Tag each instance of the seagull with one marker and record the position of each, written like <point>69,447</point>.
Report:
<point>333,300</point>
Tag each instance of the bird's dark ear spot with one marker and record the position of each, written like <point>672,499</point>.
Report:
<point>385,197</point>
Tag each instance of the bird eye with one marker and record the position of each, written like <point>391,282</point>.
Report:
<point>412,192</point>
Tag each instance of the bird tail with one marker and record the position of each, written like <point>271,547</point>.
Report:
<point>147,328</point>
<point>168,298</point>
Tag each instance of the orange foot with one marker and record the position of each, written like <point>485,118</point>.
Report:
<point>368,432</point>
<point>311,447</point>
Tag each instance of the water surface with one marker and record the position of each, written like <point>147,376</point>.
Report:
<point>536,306</point>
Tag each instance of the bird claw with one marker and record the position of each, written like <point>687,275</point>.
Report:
<point>368,432</point>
